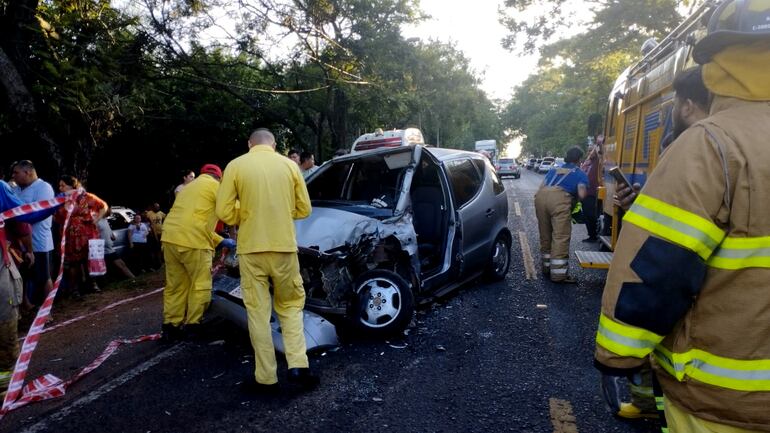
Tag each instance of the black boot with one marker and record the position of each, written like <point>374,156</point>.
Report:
<point>193,332</point>
<point>170,333</point>
<point>303,377</point>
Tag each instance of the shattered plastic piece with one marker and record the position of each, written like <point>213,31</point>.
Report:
<point>541,306</point>
<point>440,348</point>
<point>218,375</point>
<point>217,343</point>
<point>397,346</point>
<point>382,353</point>
<point>376,399</point>
<point>167,412</point>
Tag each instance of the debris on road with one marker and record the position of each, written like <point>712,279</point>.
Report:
<point>440,348</point>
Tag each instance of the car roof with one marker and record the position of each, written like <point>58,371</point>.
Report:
<point>444,154</point>
<point>440,153</point>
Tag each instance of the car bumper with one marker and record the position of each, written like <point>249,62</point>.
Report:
<point>227,304</point>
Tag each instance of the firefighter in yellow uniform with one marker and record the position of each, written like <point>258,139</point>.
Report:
<point>561,187</point>
<point>189,242</point>
<point>272,194</point>
<point>690,279</point>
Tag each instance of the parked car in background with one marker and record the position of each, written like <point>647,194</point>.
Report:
<point>119,220</point>
<point>545,165</point>
<point>536,167</point>
<point>508,167</point>
<point>558,162</point>
<point>395,227</point>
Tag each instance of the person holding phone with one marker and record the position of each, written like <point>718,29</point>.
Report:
<point>554,200</point>
<point>688,283</point>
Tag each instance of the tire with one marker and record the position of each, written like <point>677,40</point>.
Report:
<point>499,258</point>
<point>383,304</point>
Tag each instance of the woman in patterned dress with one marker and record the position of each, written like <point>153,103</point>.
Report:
<point>82,228</point>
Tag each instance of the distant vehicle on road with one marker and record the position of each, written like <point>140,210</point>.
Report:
<point>531,163</point>
<point>508,167</point>
<point>545,165</point>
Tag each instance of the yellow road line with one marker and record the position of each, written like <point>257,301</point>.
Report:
<point>561,416</point>
<point>529,263</point>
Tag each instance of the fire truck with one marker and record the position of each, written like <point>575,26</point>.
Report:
<point>639,115</point>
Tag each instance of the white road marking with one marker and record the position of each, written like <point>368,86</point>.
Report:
<point>517,207</point>
<point>529,263</point>
<point>49,422</point>
<point>561,416</point>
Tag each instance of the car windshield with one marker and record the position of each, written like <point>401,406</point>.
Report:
<point>367,186</point>
<point>506,161</point>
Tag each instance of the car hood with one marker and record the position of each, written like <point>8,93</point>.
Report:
<point>328,228</point>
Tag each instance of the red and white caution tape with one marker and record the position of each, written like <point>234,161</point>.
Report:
<point>49,386</point>
<point>30,342</point>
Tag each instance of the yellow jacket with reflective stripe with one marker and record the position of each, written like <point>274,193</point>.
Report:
<point>191,221</point>
<point>708,201</point>
<point>272,194</point>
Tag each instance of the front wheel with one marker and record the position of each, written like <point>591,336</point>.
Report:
<point>383,304</point>
<point>500,258</point>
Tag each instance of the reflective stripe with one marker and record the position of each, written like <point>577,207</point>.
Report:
<point>741,375</point>
<point>625,340</point>
<point>659,403</point>
<point>740,253</point>
<point>558,261</point>
<point>675,225</point>
<point>546,256</point>
<point>645,391</point>
<point>558,271</point>
<point>664,429</point>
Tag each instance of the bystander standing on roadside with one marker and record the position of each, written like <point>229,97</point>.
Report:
<point>87,210</point>
<point>307,164</point>
<point>30,188</point>
<point>11,285</point>
<point>187,177</point>
<point>589,203</point>
<point>155,217</point>
<point>138,231</point>
<point>294,155</point>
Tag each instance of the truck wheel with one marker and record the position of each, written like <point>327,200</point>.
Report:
<point>383,303</point>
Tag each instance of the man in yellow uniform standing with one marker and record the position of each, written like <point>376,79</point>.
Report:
<point>272,194</point>
<point>189,241</point>
<point>689,279</point>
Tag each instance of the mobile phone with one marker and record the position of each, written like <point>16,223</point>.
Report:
<point>620,178</point>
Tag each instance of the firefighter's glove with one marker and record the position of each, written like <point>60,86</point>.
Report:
<point>612,383</point>
<point>227,243</point>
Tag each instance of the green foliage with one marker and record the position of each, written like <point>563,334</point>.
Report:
<point>132,99</point>
<point>552,108</point>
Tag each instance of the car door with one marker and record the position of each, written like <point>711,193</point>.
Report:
<point>467,183</point>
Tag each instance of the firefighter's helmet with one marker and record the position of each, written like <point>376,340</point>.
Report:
<point>734,22</point>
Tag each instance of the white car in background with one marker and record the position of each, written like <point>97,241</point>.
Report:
<point>545,165</point>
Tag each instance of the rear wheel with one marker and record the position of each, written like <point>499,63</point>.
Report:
<point>500,258</point>
<point>383,303</point>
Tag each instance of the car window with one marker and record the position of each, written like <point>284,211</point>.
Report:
<point>497,183</point>
<point>506,161</point>
<point>465,180</point>
<point>358,181</point>
<point>117,222</point>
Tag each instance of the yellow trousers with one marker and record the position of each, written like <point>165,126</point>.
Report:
<point>288,302</point>
<point>553,207</point>
<point>188,284</point>
<point>680,421</point>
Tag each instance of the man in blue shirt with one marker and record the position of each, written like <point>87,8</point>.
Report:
<point>562,187</point>
<point>10,286</point>
<point>31,189</point>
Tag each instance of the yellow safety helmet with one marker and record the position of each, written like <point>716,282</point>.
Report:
<point>734,22</point>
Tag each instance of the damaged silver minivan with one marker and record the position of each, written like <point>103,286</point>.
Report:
<point>396,227</point>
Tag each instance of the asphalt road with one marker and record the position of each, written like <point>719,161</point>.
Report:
<point>511,356</point>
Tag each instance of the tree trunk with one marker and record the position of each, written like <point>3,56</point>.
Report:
<point>22,106</point>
